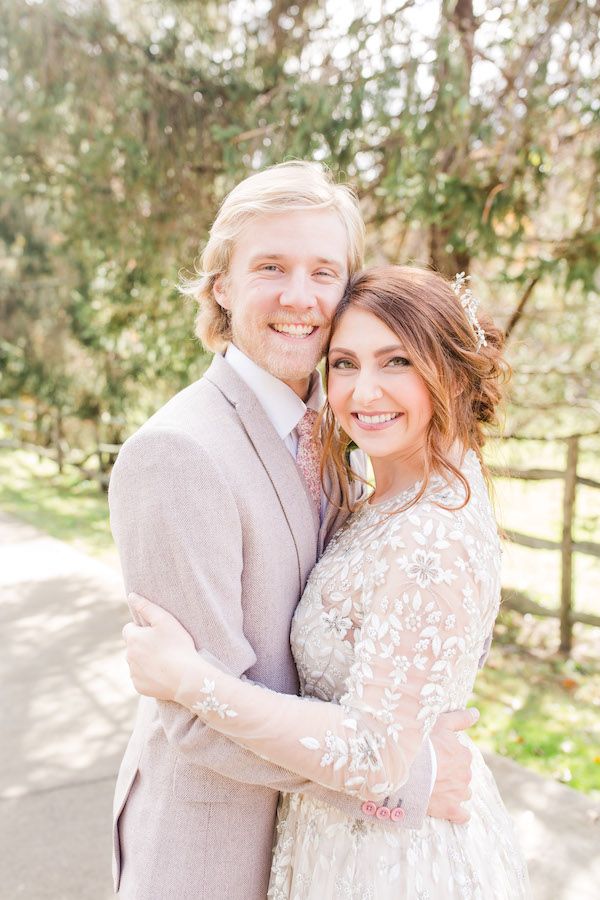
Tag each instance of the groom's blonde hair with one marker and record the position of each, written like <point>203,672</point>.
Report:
<point>286,187</point>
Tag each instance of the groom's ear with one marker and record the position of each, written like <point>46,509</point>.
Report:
<point>220,292</point>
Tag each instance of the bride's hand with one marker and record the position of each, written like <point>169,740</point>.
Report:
<point>158,651</point>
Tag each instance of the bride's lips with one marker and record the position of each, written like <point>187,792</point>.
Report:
<point>376,421</point>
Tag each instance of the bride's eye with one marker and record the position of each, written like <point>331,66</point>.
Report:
<point>398,362</point>
<point>342,364</point>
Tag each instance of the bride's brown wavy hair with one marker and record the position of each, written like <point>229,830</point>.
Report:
<point>466,384</point>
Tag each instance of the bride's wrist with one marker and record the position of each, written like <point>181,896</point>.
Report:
<point>190,682</point>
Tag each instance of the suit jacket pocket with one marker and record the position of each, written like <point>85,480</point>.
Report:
<point>123,789</point>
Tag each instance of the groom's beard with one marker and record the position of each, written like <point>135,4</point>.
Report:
<point>289,359</point>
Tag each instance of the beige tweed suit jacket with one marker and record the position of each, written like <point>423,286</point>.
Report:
<point>213,520</point>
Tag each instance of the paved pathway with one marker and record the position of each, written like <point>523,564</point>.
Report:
<point>67,709</point>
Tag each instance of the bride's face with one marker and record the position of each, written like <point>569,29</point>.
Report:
<point>376,395</point>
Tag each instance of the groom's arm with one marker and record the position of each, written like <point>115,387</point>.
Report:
<point>177,529</point>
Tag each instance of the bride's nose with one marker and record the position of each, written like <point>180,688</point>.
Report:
<point>366,389</point>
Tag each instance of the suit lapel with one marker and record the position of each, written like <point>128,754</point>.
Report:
<point>285,477</point>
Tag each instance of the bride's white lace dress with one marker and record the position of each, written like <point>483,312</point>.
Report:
<point>391,627</point>
<point>411,598</point>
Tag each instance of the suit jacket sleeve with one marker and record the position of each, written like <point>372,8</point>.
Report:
<point>179,535</point>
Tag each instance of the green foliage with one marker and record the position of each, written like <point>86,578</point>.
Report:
<point>469,129</point>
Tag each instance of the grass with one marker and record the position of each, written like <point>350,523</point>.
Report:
<point>538,709</point>
<point>62,505</point>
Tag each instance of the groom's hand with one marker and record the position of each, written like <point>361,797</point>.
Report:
<point>452,783</point>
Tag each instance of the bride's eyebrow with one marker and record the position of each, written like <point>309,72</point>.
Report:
<point>394,348</point>
<point>341,350</point>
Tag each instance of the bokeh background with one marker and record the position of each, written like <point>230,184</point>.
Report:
<point>471,132</point>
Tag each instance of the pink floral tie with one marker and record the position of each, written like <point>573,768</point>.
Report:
<point>308,458</point>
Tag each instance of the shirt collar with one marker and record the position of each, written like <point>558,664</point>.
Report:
<point>283,407</point>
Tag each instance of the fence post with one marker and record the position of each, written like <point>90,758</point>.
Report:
<point>566,588</point>
<point>58,439</point>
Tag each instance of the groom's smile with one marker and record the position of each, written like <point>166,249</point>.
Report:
<point>295,330</point>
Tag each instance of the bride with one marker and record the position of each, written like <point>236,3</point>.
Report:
<point>394,618</point>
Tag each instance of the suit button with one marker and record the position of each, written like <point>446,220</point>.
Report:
<point>369,808</point>
<point>398,814</point>
<point>383,812</point>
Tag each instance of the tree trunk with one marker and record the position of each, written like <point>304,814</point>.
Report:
<point>443,259</point>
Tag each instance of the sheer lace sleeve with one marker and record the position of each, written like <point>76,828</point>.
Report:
<point>418,631</point>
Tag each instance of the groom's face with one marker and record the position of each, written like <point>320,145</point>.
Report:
<point>286,276</point>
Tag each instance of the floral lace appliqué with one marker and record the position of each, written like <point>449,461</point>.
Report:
<point>210,704</point>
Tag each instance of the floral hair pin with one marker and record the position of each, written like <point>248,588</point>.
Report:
<point>469,303</point>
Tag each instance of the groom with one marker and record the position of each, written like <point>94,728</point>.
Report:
<point>218,516</point>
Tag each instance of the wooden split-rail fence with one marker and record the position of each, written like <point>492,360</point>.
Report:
<point>19,421</point>
<point>567,546</point>
<point>45,431</point>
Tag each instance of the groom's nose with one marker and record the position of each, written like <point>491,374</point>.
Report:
<point>297,291</point>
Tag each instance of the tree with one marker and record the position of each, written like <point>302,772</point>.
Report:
<point>469,128</point>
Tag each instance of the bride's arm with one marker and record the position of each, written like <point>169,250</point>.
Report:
<point>419,627</point>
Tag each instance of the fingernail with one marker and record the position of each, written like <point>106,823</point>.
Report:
<point>474,714</point>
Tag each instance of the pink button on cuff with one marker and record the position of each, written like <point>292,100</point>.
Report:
<point>369,808</point>
<point>382,813</point>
